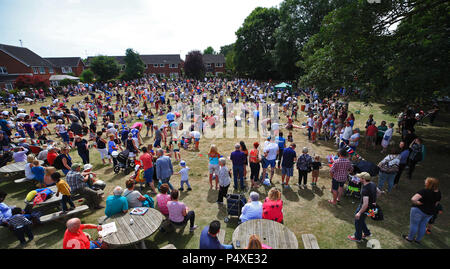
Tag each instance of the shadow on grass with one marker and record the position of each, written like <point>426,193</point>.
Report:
<point>178,238</point>
<point>306,193</point>
<point>212,196</point>
<point>289,194</point>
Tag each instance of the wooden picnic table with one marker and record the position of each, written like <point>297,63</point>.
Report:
<point>127,233</point>
<point>15,167</point>
<point>271,233</point>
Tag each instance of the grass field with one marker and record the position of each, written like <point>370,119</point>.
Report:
<point>305,210</point>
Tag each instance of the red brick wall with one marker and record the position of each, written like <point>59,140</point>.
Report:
<point>77,70</point>
<point>12,65</point>
<point>166,69</point>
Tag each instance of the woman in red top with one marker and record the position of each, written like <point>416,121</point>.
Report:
<point>254,164</point>
<point>273,206</point>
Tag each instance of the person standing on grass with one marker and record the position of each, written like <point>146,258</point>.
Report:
<point>339,172</point>
<point>213,156</point>
<point>83,148</point>
<point>147,162</point>
<point>369,194</point>
<point>388,169</point>
<point>289,158</point>
<point>387,137</point>
<point>101,147</point>
<point>281,141</point>
<point>304,163</point>
<point>270,153</point>
<point>371,134</point>
<point>404,153</point>
<point>238,159</point>
<point>415,155</point>
<point>254,164</point>
<point>424,206</point>
<point>224,176</point>
<point>381,130</point>
<point>164,168</point>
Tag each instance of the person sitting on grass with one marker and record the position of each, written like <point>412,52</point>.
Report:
<point>63,188</point>
<point>75,238</point>
<point>179,213</point>
<point>135,198</point>
<point>208,237</point>
<point>116,203</point>
<point>253,209</point>
<point>162,198</point>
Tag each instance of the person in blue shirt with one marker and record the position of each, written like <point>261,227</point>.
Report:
<point>4,125</point>
<point>208,237</point>
<point>289,158</point>
<point>253,209</point>
<point>5,210</point>
<point>403,161</point>
<point>116,203</point>
<point>38,172</point>
<point>281,141</point>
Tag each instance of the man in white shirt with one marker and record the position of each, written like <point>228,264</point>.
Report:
<point>270,154</point>
<point>310,125</point>
<point>346,134</point>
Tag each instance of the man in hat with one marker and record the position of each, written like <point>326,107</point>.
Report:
<point>369,194</point>
<point>77,183</point>
<point>83,149</point>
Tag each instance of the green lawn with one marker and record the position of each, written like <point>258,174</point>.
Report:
<point>305,211</point>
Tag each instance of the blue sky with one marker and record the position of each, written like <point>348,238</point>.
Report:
<point>57,28</point>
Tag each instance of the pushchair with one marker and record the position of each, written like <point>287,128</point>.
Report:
<point>122,161</point>
<point>235,202</point>
<point>353,187</point>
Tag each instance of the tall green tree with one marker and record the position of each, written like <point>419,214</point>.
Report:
<point>194,66</point>
<point>104,67</point>
<point>228,52</point>
<point>255,44</point>
<point>134,66</point>
<point>87,76</point>
<point>209,50</point>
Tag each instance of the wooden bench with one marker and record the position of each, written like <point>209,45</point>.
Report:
<point>221,236</point>
<point>310,241</point>
<point>22,180</point>
<point>57,215</point>
<point>169,246</point>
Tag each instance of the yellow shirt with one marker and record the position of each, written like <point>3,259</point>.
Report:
<point>63,187</point>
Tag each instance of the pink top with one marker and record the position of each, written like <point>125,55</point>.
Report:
<point>162,200</point>
<point>137,125</point>
<point>265,246</point>
<point>176,210</point>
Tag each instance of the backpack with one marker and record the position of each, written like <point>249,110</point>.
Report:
<point>386,168</point>
<point>58,162</point>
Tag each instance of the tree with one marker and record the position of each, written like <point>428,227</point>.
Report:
<point>104,67</point>
<point>193,66</point>
<point>66,82</point>
<point>87,76</point>
<point>23,82</point>
<point>255,44</point>
<point>209,50</point>
<point>226,49</point>
<point>134,66</point>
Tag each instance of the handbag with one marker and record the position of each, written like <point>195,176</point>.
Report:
<point>389,169</point>
<point>375,212</point>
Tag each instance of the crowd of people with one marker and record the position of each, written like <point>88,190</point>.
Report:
<point>115,122</point>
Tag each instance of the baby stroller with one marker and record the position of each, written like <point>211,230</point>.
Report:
<point>235,202</point>
<point>353,187</point>
<point>122,161</point>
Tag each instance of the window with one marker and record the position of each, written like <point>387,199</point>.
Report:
<point>174,75</point>
<point>161,75</point>
<point>161,65</point>
<point>42,70</point>
<point>219,64</point>
<point>50,70</point>
<point>66,69</point>
<point>155,65</point>
<point>173,65</point>
<point>146,66</point>
<point>3,70</point>
<point>9,86</point>
<point>208,65</point>
<point>35,70</point>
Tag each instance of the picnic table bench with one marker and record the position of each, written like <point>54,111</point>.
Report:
<point>58,215</point>
<point>270,232</point>
<point>14,170</point>
<point>310,241</point>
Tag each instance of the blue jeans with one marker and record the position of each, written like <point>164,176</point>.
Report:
<point>417,224</point>
<point>187,183</point>
<point>238,170</point>
<point>166,180</point>
<point>386,177</point>
<point>148,175</point>
<point>227,246</point>
<point>360,225</point>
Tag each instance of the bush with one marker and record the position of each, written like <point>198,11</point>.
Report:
<point>66,82</point>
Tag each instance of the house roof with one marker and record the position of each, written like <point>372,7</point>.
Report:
<point>213,58</point>
<point>25,56</point>
<point>64,61</point>
<point>150,59</point>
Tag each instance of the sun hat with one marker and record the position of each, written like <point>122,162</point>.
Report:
<point>182,163</point>
<point>87,166</point>
<point>75,166</point>
<point>364,175</point>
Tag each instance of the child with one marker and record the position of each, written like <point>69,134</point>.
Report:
<point>438,211</point>
<point>39,173</point>
<point>290,139</point>
<point>176,148</point>
<point>184,172</point>
<point>20,225</point>
<point>316,165</point>
<point>63,188</point>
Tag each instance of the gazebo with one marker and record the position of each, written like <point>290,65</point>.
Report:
<point>283,86</point>
<point>55,79</point>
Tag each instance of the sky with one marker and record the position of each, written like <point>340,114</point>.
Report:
<point>68,28</point>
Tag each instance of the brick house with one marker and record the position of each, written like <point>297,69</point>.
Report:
<point>214,64</point>
<point>163,65</point>
<point>66,65</point>
<point>17,61</point>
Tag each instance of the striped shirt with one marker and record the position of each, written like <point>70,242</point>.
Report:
<point>17,221</point>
